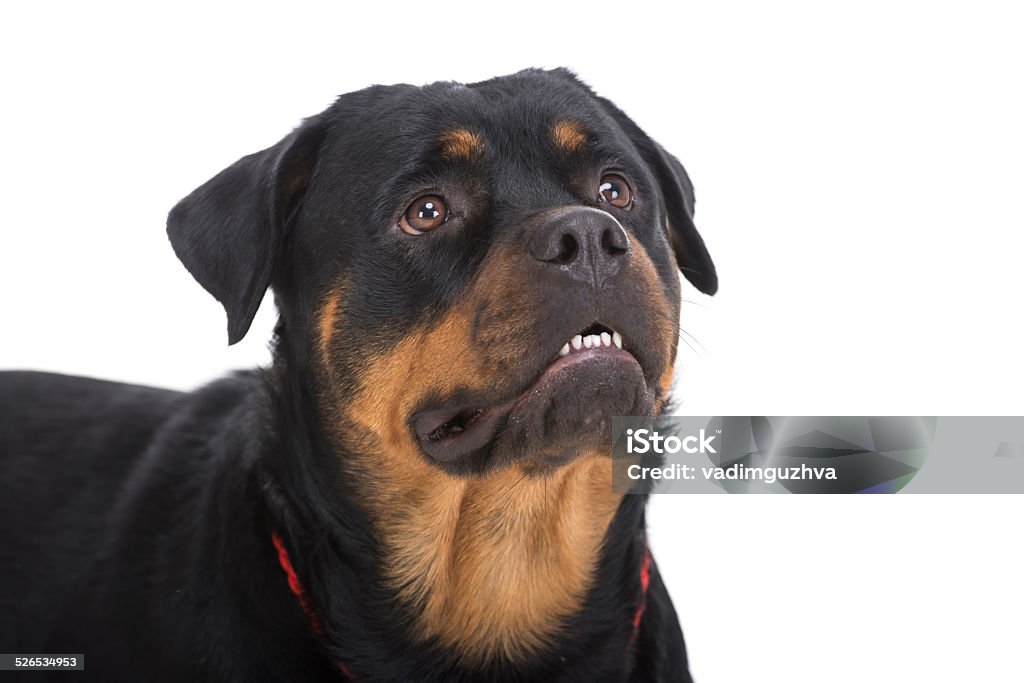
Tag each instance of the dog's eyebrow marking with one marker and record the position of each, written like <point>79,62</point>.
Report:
<point>461,143</point>
<point>568,136</point>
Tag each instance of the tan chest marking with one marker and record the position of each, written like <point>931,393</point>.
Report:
<point>495,565</point>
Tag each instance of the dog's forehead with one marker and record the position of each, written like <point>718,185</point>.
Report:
<point>504,117</point>
<point>509,105</point>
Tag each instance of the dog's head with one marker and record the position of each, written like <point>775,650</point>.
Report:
<point>485,273</point>
<point>472,280</point>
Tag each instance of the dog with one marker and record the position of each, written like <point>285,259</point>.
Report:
<point>471,280</point>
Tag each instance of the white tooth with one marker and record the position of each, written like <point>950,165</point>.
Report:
<point>606,339</point>
<point>588,341</point>
<point>577,342</point>
<point>617,339</point>
<point>564,351</point>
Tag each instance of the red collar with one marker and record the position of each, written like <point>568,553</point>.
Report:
<point>300,593</point>
<point>645,583</point>
<point>318,627</point>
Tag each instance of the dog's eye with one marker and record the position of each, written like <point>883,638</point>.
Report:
<point>425,213</point>
<point>615,190</point>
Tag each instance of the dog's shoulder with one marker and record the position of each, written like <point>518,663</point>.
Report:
<point>88,466</point>
<point>53,423</point>
<point>37,395</point>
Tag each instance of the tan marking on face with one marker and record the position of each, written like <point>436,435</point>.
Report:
<point>461,144</point>
<point>491,566</point>
<point>327,316</point>
<point>651,291</point>
<point>666,381</point>
<point>644,273</point>
<point>665,391</point>
<point>568,136</point>
<point>326,324</point>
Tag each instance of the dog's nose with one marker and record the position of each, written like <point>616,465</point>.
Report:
<point>585,244</point>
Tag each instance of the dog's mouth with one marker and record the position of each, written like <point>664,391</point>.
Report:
<point>597,357</point>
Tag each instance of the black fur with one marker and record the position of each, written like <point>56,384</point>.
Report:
<point>136,522</point>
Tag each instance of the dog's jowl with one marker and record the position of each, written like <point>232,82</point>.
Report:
<point>472,280</point>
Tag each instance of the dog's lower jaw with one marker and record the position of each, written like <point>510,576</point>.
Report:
<point>492,567</point>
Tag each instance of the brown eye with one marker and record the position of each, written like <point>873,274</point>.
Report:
<point>425,213</point>
<point>615,190</point>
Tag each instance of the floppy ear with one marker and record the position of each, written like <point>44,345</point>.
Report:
<point>691,254</point>
<point>229,232</point>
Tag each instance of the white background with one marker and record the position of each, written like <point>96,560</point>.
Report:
<point>858,170</point>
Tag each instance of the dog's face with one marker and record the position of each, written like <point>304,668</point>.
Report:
<point>472,280</point>
<point>488,273</point>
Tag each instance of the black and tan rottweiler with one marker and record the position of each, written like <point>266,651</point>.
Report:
<point>471,281</point>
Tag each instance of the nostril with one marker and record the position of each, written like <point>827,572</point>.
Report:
<point>568,247</point>
<point>614,241</point>
<point>583,244</point>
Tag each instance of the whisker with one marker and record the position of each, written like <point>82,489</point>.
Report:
<point>510,488</point>
<point>695,340</point>
<point>695,351</point>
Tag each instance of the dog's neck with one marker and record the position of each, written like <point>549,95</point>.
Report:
<point>494,565</point>
<point>488,567</point>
